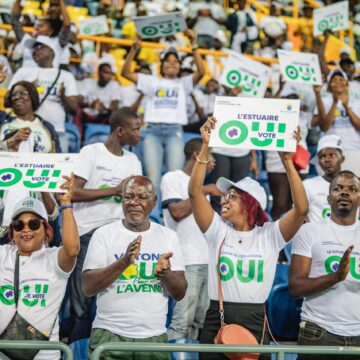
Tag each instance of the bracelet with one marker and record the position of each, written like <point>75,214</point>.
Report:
<point>62,207</point>
<point>200,161</point>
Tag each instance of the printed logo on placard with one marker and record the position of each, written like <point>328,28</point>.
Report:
<point>248,83</point>
<point>336,21</point>
<point>305,73</point>
<point>162,29</point>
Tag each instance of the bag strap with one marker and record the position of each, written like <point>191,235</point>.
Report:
<point>50,88</point>
<point>16,278</point>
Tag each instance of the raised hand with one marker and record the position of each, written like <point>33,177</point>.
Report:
<point>137,42</point>
<point>344,265</point>
<point>65,198</point>
<point>286,156</point>
<point>206,129</point>
<point>132,251</point>
<point>163,264</point>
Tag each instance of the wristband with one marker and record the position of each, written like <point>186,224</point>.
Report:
<point>62,207</point>
<point>200,161</point>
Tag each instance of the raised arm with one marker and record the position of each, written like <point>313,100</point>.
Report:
<point>354,118</point>
<point>324,119</point>
<point>201,208</point>
<point>200,69</point>
<point>95,281</point>
<point>70,236</point>
<point>15,20</point>
<point>64,35</point>
<point>300,284</point>
<point>292,220</point>
<point>84,195</point>
<point>126,69</point>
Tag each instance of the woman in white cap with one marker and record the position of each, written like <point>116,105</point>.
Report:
<point>33,277</point>
<point>248,244</point>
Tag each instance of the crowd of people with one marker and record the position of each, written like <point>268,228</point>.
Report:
<point>147,215</point>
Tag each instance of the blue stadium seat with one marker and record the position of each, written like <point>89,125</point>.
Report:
<point>96,133</point>
<point>73,136</point>
<point>283,313</point>
<point>188,136</point>
<point>184,355</point>
<point>287,251</point>
<point>281,274</point>
<point>80,349</point>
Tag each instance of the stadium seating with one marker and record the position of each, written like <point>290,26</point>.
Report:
<point>184,355</point>
<point>73,136</point>
<point>80,349</point>
<point>95,133</point>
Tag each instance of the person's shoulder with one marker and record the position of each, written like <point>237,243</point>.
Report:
<point>162,230</point>
<point>130,155</point>
<point>174,175</point>
<point>92,148</point>
<point>67,75</point>
<point>7,250</point>
<point>313,180</point>
<point>108,229</point>
<point>313,228</point>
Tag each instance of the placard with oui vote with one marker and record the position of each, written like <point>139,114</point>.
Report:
<point>300,67</point>
<point>252,76</point>
<point>162,25</point>
<point>249,123</point>
<point>96,25</point>
<point>333,17</point>
<point>34,171</point>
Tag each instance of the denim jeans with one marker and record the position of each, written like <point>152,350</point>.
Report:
<point>314,335</point>
<point>189,313</point>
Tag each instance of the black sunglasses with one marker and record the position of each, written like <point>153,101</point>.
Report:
<point>33,224</point>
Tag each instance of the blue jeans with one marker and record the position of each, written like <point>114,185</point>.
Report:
<point>163,145</point>
<point>189,313</point>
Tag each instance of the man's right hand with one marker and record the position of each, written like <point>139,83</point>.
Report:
<point>132,251</point>
<point>344,265</point>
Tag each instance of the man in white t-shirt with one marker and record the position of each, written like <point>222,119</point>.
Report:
<point>99,171</point>
<point>57,88</point>
<point>189,313</point>
<point>325,271</point>
<point>330,157</point>
<point>133,265</point>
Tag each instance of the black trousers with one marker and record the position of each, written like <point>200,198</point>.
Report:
<point>251,316</point>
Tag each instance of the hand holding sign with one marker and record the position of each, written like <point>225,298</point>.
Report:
<point>287,156</point>
<point>206,129</point>
<point>65,198</point>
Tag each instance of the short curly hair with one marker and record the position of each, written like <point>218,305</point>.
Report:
<point>30,88</point>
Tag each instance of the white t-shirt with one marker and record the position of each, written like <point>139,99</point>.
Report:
<point>174,186</point>
<point>129,95</point>
<point>135,305</point>
<point>337,308</point>
<point>166,98</point>
<point>52,109</point>
<point>342,125</point>
<point>248,267</point>
<point>91,91</point>
<point>317,191</point>
<point>42,137</point>
<point>42,285</point>
<point>102,169</point>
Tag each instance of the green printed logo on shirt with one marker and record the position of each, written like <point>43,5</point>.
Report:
<point>245,270</point>
<point>30,295</point>
<point>116,199</point>
<point>332,265</point>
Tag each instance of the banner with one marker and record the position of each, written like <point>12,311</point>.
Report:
<point>252,76</point>
<point>248,123</point>
<point>34,171</point>
<point>333,17</point>
<point>96,25</point>
<point>159,26</point>
<point>300,67</point>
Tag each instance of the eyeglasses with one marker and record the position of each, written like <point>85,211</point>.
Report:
<point>33,224</point>
<point>19,94</point>
<point>131,197</point>
<point>229,197</point>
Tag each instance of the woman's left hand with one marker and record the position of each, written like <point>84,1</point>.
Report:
<point>191,36</point>
<point>286,156</point>
<point>65,198</point>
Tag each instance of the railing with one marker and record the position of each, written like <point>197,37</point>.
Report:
<point>280,351</point>
<point>41,345</point>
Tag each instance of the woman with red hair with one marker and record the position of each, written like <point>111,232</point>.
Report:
<point>247,242</point>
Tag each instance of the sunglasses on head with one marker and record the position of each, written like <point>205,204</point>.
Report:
<point>33,224</point>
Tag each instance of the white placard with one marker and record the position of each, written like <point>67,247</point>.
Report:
<point>96,25</point>
<point>252,76</point>
<point>249,123</point>
<point>159,26</point>
<point>300,67</point>
<point>333,17</point>
<point>34,171</point>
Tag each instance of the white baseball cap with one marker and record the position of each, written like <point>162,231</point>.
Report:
<point>41,39</point>
<point>334,72</point>
<point>289,90</point>
<point>250,186</point>
<point>31,205</point>
<point>327,141</point>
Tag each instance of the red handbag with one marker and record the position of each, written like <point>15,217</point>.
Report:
<point>301,158</point>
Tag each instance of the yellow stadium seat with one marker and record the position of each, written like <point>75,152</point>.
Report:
<point>129,30</point>
<point>31,5</point>
<point>45,6</point>
<point>30,11</point>
<point>3,92</point>
<point>77,10</point>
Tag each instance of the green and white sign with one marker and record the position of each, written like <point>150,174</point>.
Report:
<point>252,76</point>
<point>333,17</point>
<point>300,67</point>
<point>96,25</point>
<point>160,26</point>
<point>34,171</point>
<point>249,123</point>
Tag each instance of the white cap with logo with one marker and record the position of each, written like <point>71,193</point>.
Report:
<point>329,141</point>
<point>41,39</point>
<point>250,186</point>
<point>31,205</point>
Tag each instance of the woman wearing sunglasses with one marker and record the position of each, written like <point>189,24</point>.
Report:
<point>43,272</point>
<point>249,244</point>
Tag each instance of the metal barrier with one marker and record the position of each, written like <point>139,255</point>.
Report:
<point>278,350</point>
<point>41,345</point>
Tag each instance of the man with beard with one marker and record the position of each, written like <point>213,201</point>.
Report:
<point>325,271</point>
